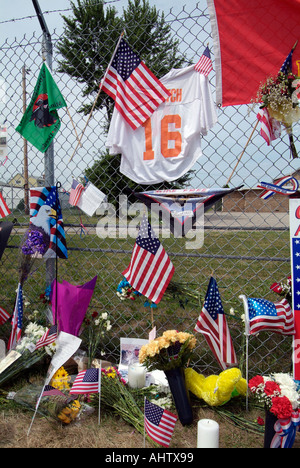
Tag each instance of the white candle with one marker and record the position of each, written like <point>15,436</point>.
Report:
<point>136,376</point>
<point>208,434</point>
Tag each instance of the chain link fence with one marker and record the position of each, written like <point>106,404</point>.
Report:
<point>246,240</point>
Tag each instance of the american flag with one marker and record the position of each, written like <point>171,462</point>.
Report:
<point>159,423</point>
<point>270,128</point>
<point>75,194</point>
<point>4,210</point>
<point>134,88</point>
<point>17,319</point>
<point>287,64</point>
<point>4,316</point>
<point>49,337</point>
<point>87,381</point>
<point>204,65</point>
<point>271,316</point>
<point>150,269</point>
<point>213,325</point>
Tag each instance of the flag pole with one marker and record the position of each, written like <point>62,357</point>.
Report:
<point>240,157</point>
<point>72,122</point>
<point>245,303</point>
<point>100,89</point>
<point>99,390</point>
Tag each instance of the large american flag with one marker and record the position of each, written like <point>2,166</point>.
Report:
<point>134,88</point>
<point>272,316</point>
<point>4,316</point>
<point>48,337</point>
<point>87,381</point>
<point>213,325</point>
<point>150,269</point>
<point>17,319</point>
<point>4,210</point>
<point>159,423</point>
<point>204,65</point>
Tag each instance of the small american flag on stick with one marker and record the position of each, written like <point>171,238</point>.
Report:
<point>150,269</point>
<point>204,65</point>
<point>4,316</point>
<point>134,88</point>
<point>4,210</point>
<point>213,325</point>
<point>159,423</point>
<point>87,381</point>
<point>49,337</point>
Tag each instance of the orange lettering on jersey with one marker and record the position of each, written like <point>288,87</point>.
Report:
<point>176,95</point>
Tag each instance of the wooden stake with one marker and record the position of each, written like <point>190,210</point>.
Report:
<point>240,157</point>
<point>100,89</point>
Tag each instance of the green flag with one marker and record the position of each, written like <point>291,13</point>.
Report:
<point>40,123</point>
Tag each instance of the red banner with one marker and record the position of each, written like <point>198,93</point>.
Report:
<point>252,39</point>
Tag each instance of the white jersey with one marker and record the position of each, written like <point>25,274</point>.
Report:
<point>168,144</point>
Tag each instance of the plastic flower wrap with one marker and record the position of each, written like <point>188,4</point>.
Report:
<point>26,354</point>
<point>278,392</point>
<point>172,349</point>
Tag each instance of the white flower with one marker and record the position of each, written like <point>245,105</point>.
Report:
<point>104,315</point>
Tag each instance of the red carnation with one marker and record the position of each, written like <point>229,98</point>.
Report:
<point>255,382</point>
<point>271,387</point>
<point>281,407</point>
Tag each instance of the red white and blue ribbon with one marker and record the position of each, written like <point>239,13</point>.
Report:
<point>278,187</point>
<point>285,431</point>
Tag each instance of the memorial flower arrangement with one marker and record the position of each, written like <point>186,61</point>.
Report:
<point>280,95</point>
<point>172,349</point>
<point>33,246</point>
<point>116,397</point>
<point>96,325</point>
<point>278,392</point>
<point>284,289</point>
<point>25,354</point>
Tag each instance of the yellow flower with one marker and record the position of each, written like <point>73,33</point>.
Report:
<point>61,379</point>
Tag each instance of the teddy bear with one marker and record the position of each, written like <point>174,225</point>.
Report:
<point>216,390</point>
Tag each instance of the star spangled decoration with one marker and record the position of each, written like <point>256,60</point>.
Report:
<point>154,412</point>
<point>262,307</point>
<point>213,303</point>
<point>125,61</point>
<point>91,375</point>
<point>296,272</point>
<point>146,238</point>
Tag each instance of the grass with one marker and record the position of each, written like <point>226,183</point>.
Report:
<point>243,262</point>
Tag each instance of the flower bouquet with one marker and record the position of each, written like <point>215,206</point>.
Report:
<point>278,392</point>
<point>279,95</point>
<point>25,355</point>
<point>170,353</point>
<point>34,246</point>
<point>96,325</point>
<point>116,397</point>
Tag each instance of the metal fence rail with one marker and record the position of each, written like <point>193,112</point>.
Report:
<point>245,258</point>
